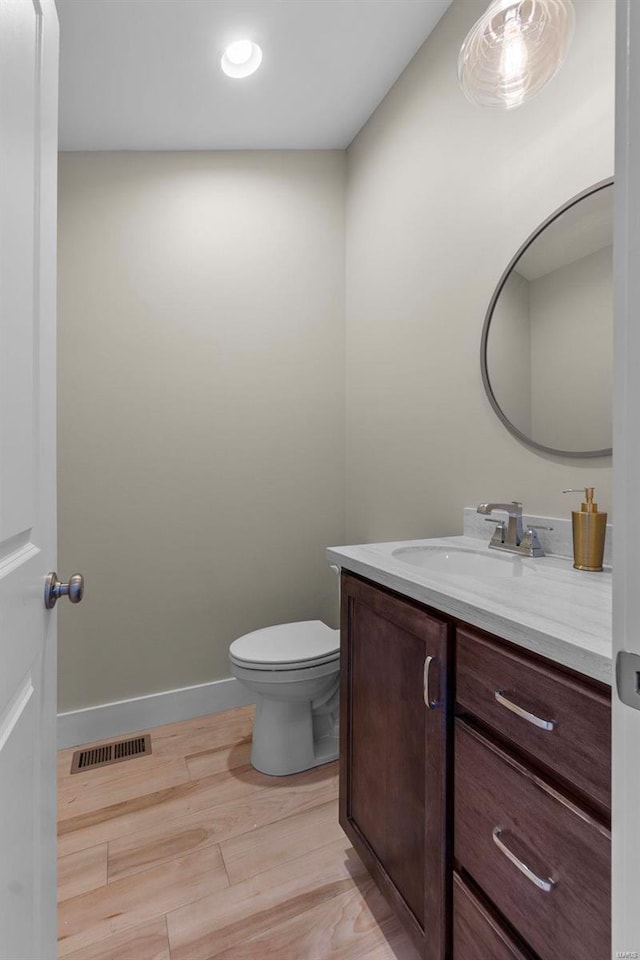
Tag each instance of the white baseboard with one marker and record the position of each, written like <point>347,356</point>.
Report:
<point>153,710</point>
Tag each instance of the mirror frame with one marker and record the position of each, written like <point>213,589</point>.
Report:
<point>497,409</point>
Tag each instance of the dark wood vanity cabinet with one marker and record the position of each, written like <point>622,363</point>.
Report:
<point>561,721</point>
<point>394,753</point>
<point>477,934</point>
<point>474,784</point>
<point>532,797</point>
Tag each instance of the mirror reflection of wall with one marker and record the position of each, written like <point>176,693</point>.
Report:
<point>550,343</point>
<point>509,352</point>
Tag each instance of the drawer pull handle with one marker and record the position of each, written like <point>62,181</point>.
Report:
<point>431,703</point>
<point>545,885</point>
<point>521,712</point>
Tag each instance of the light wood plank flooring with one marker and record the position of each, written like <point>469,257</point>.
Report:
<point>190,854</point>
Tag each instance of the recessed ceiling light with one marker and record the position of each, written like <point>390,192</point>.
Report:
<point>241,59</point>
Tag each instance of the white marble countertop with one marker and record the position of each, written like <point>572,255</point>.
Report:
<point>555,611</point>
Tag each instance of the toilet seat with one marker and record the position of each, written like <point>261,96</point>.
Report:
<point>287,646</point>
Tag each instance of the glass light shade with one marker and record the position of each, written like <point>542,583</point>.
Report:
<point>514,50</point>
<point>240,59</point>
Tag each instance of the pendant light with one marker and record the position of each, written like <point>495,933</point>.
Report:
<point>514,50</point>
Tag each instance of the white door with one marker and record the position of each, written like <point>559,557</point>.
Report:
<point>626,463</point>
<point>28,158</point>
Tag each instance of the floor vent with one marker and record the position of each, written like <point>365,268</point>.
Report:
<point>111,753</point>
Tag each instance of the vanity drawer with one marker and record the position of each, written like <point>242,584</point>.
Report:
<point>558,720</point>
<point>542,861</point>
<point>477,935</point>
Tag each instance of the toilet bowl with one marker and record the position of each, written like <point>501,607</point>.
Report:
<point>293,670</point>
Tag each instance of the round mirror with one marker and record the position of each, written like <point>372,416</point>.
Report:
<point>547,342</point>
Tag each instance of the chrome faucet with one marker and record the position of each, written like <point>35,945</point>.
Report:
<point>510,536</point>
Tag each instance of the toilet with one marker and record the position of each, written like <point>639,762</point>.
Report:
<point>293,670</point>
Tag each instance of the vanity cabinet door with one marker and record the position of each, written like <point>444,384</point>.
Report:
<point>393,753</point>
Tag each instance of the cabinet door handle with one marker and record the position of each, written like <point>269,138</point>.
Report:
<point>545,885</point>
<point>521,712</point>
<point>431,702</point>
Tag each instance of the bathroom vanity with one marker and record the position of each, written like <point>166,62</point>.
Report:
<point>475,746</point>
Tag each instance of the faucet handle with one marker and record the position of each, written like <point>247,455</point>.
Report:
<point>537,526</point>
<point>500,529</point>
<point>530,543</point>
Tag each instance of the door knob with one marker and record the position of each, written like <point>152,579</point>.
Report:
<point>54,589</point>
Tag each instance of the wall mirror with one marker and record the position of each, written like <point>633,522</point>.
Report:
<point>547,341</point>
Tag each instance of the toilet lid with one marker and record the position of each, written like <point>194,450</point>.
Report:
<point>310,641</point>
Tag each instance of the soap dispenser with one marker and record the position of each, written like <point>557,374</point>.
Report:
<point>589,529</point>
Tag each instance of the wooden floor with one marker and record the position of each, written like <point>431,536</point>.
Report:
<point>190,854</point>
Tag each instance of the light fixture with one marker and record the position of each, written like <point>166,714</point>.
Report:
<point>514,50</point>
<point>241,59</point>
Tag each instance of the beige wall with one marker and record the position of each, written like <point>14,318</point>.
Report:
<point>440,195</point>
<point>201,461</point>
<point>202,368</point>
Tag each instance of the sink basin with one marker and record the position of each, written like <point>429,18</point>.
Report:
<point>462,561</point>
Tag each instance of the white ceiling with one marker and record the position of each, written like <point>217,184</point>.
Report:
<point>144,74</point>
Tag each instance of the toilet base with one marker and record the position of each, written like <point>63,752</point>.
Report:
<point>289,737</point>
<point>327,749</point>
